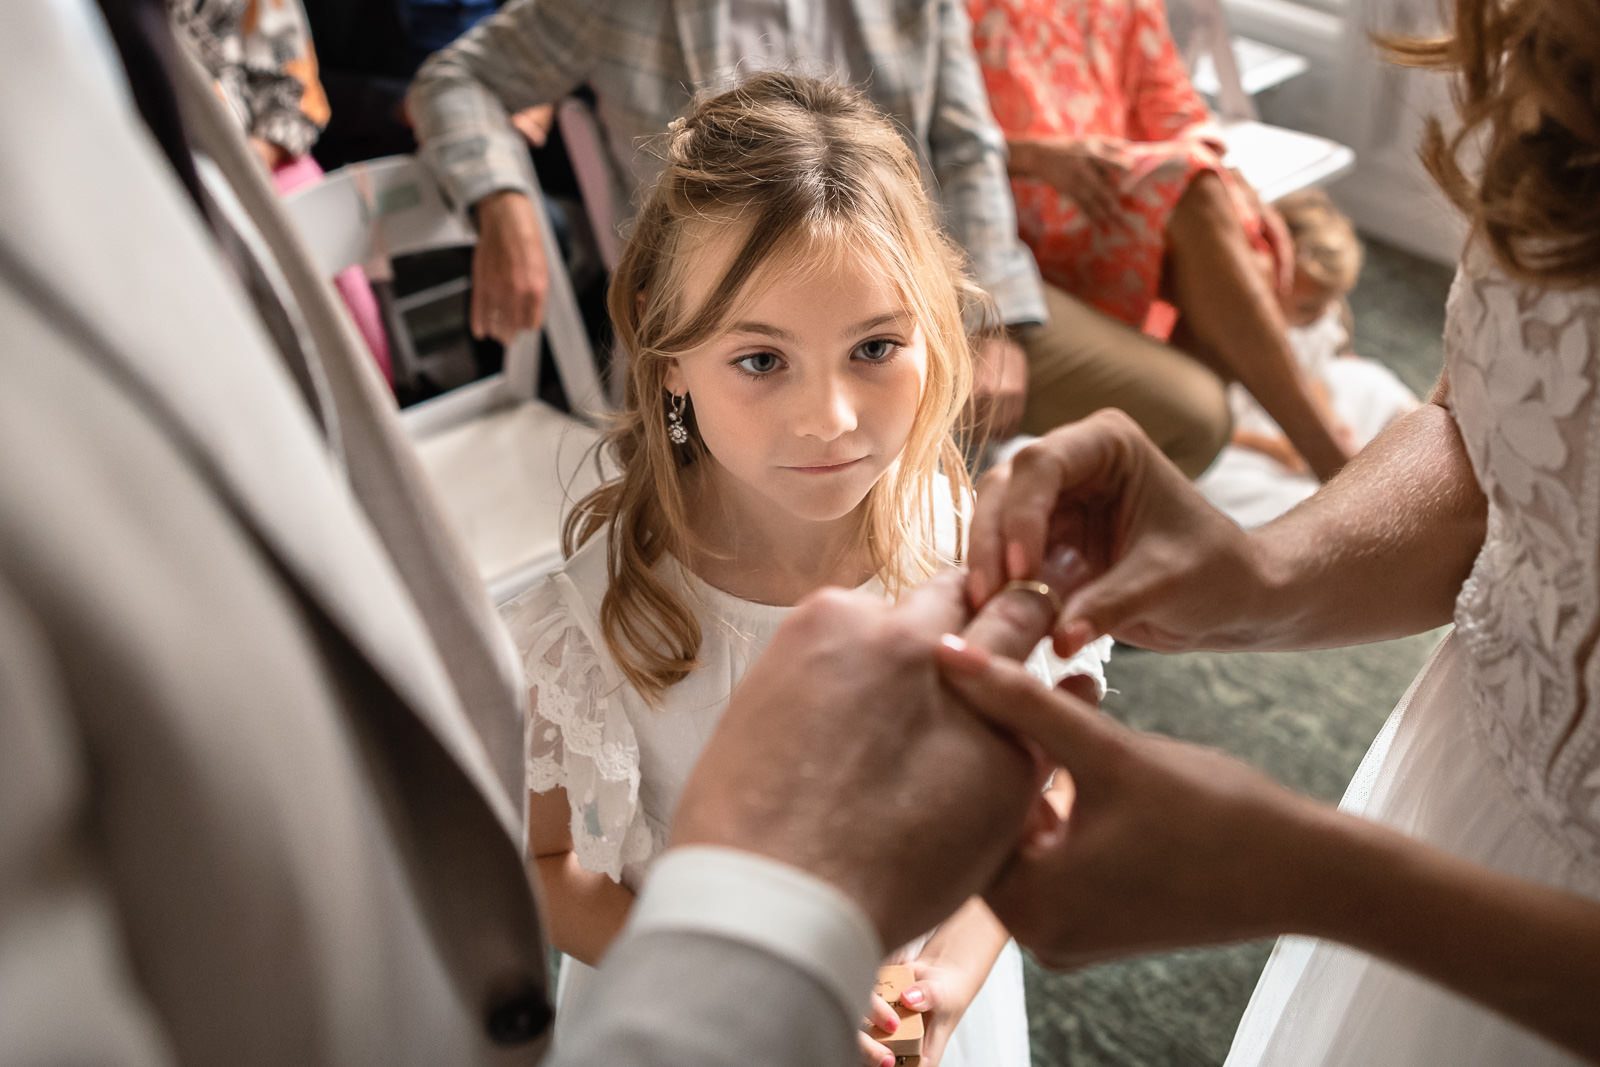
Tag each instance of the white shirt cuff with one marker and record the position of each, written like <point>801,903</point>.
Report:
<point>770,905</point>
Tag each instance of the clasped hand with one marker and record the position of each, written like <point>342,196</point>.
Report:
<point>883,782</point>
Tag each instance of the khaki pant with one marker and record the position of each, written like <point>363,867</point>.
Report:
<point>1083,360</point>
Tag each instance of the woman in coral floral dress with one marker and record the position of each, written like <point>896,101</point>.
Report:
<point>1121,193</point>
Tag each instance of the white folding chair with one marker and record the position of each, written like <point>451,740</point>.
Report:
<point>505,463</point>
<point>1274,160</point>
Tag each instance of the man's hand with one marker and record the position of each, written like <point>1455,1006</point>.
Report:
<point>1088,170</point>
<point>1165,844</point>
<point>1165,570</point>
<point>534,123</point>
<point>509,274</point>
<point>999,387</point>
<point>843,754</point>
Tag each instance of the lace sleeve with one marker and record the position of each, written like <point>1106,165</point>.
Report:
<point>577,737</point>
<point>1091,659</point>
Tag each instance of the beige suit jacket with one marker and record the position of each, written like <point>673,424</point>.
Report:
<point>259,730</point>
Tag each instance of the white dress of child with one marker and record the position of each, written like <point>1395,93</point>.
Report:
<point>1494,753</point>
<point>624,764</point>
<point>1251,487</point>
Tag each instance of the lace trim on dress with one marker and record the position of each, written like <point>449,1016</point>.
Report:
<point>1090,660</point>
<point>576,737</point>
<point>1522,363</point>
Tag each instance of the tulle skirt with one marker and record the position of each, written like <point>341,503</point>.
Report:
<point>1429,776</point>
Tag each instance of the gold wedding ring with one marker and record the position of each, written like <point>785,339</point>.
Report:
<point>1037,588</point>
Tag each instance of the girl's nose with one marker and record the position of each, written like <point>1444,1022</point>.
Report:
<point>828,410</point>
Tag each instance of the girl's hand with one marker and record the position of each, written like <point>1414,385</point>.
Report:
<point>942,993</point>
<point>884,1017</point>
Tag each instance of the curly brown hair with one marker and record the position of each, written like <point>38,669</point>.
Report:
<point>1527,87</point>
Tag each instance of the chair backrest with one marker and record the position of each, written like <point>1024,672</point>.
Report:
<point>1274,160</point>
<point>1205,32</point>
<point>504,464</point>
<point>367,213</point>
<point>597,184</point>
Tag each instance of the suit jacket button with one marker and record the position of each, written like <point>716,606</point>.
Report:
<point>519,1019</point>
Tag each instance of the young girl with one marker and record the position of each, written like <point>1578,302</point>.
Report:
<point>793,322</point>
<point>1260,475</point>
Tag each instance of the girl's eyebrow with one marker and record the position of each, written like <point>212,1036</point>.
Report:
<point>864,326</point>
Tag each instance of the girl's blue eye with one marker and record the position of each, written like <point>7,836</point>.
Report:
<point>877,350</point>
<point>758,363</point>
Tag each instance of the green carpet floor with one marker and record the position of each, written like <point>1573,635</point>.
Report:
<point>1304,717</point>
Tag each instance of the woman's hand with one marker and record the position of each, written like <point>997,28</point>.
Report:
<point>1089,170</point>
<point>1168,845</point>
<point>1161,568</point>
<point>1159,843</point>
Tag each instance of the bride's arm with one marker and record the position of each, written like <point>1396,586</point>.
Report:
<point>1170,844</point>
<point>1526,950</point>
<point>1379,552</point>
<point>1383,549</point>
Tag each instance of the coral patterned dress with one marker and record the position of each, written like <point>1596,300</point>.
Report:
<point>1107,69</point>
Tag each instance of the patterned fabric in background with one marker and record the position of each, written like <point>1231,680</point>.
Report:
<point>1107,69</point>
<point>259,52</point>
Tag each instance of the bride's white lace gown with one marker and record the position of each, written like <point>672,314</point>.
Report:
<point>1494,753</point>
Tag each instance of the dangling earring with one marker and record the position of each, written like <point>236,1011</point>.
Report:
<point>677,433</point>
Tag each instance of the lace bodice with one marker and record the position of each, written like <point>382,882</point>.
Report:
<point>1523,367</point>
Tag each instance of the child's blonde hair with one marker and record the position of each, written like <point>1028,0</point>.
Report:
<point>802,168</point>
<point>1326,247</point>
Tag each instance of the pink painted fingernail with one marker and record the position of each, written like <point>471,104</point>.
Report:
<point>957,655</point>
<point>911,998</point>
<point>887,1061</point>
<point>891,1024</point>
<point>1072,637</point>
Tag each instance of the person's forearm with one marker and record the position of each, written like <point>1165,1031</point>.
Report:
<point>1025,156</point>
<point>1274,446</point>
<point>1381,551</point>
<point>971,939</point>
<point>585,910</point>
<point>463,95</point>
<point>1525,950</point>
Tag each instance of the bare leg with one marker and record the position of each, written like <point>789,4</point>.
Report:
<point>1230,312</point>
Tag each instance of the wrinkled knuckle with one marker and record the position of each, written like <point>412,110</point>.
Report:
<point>1031,460</point>
<point>903,640</point>
<point>828,607</point>
<point>1016,610</point>
<point>994,480</point>
<point>1115,421</point>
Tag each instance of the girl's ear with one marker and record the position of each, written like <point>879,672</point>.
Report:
<point>673,379</point>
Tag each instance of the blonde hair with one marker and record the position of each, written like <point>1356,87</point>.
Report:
<point>1527,84</point>
<point>1326,247</point>
<point>799,167</point>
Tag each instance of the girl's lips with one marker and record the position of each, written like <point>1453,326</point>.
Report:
<point>826,468</point>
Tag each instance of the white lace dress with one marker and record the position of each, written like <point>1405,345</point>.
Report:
<point>624,765</point>
<point>1494,753</point>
